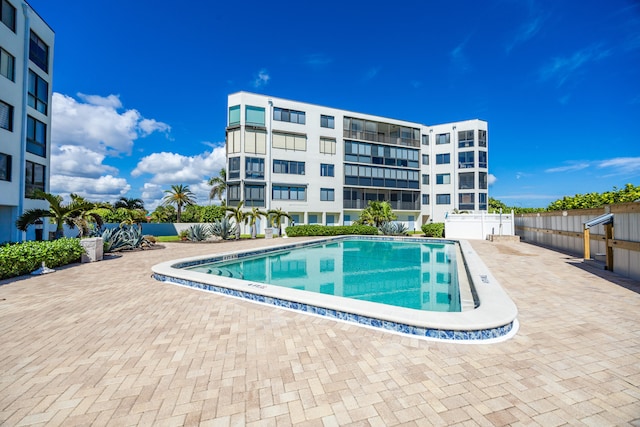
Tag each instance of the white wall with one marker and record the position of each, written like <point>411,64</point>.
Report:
<point>478,226</point>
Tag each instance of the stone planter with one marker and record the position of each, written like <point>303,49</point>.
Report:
<point>93,249</point>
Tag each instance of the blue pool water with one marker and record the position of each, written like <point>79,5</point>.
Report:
<point>420,276</point>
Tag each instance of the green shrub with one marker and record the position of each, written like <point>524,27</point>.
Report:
<point>23,258</point>
<point>435,229</point>
<point>324,230</point>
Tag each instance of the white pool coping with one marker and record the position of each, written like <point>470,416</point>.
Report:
<point>493,318</point>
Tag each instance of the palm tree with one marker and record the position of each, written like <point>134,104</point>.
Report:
<point>218,185</point>
<point>376,214</point>
<point>276,216</point>
<point>129,203</point>
<point>238,215</point>
<point>76,212</point>
<point>254,215</point>
<point>179,195</point>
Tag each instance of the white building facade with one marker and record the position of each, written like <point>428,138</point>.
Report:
<point>26,79</point>
<point>324,165</point>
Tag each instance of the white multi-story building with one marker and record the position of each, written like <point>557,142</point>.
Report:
<point>323,165</point>
<point>26,77</point>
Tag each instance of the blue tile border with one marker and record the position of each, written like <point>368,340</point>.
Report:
<point>441,334</point>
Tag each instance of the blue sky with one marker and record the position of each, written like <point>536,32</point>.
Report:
<point>140,87</point>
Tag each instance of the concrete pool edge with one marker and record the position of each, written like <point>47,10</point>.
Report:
<point>494,318</point>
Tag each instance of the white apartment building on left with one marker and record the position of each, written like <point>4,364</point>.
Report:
<point>26,81</point>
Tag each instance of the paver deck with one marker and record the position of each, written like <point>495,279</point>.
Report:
<point>105,344</point>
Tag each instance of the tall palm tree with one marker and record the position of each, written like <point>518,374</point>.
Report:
<point>179,195</point>
<point>254,215</point>
<point>276,216</point>
<point>73,213</point>
<point>238,215</point>
<point>129,203</point>
<point>218,185</point>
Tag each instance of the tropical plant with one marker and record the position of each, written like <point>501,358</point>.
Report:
<point>394,229</point>
<point>129,203</point>
<point>238,215</point>
<point>276,216</point>
<point>223,228</point>
<point>125,237</point>
<point>23,258</point>
<point>376,214</point>
<point>198,232</point>
<point>218,185</point>
<point>330,230</point>
<point>163,214</point>
<point>630,193</point>
<point>78,208</point>
<point>253,216</point>
<point>434,229</point>
<point>179,195</point>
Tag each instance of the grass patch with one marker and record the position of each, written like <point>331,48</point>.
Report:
<point>167,238</point>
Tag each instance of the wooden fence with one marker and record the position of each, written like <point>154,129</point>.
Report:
<point>565,231</point>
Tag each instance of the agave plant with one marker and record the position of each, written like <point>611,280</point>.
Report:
<point>198,232</point>
<point>393,229</point>
<point>126,237</point>
<point>223,228</point>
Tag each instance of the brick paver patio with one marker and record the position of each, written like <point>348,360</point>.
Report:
<point>104,344</point>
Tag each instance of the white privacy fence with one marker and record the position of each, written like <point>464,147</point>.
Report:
<point>478,226</point>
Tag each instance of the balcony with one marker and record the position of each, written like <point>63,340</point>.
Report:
<point>380,137</point>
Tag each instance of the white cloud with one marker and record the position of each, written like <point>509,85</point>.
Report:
<point>261,79</point>
<point>83,134</point>
<point>561,69</point>
<point>574,166</point>
<point>622,165</point>
<point>526,32</point>
<point>71,160</point>
<point>491,179</point>
<point>104,188</point>
<point>167,169</point>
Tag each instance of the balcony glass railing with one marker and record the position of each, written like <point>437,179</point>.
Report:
<point>377,137</point>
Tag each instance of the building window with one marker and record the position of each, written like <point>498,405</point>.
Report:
<point>38,92</point>
<point>8,15</point>
<point>442,138</point>
<point>288,166</point>
<point>234,115</point>
<point>425,199</point>
<point>233,141</point>
<point>233,193</point>
<point>443,159</point>
<point>364,152</point>
<point>285,192</point>
<point>327,195</point>
<point>466,181</point>
<point>482,201</point>
<point>5,167</point>
<point>443,199</point>
<point>482,138</point>
<point>254,168</point>
<point>443,178</point>
<point>482,180</point>
<point>328,145</point>
<point>289,141</point>
<point>313,218</point>
<point>425,139</point>
<point>327,122</point>
<point>327,169</point>
<point>425,159</point>
<point>255,141</point>
<point>234,167</point>
<point>425,179</point>
<point>6,116</point>
<point>380,177</point>
<point>254,116</point>
<point>254,196</point>
<point>36,137</point>
<point>466,201</point>
<point>465,139</point>
<point>465,160</point>
<point>482,159</point>
<point>291,116</point>
<point>39,52</point>
<point>7,64</point>
<point>34,179</point>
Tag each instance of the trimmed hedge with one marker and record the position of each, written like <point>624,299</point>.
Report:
<point>330,230</point>
<point>23,258</point>
<point>435,229</point>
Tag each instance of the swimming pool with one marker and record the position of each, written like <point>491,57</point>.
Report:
<point>486,312</point>
<point>419,276</point>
